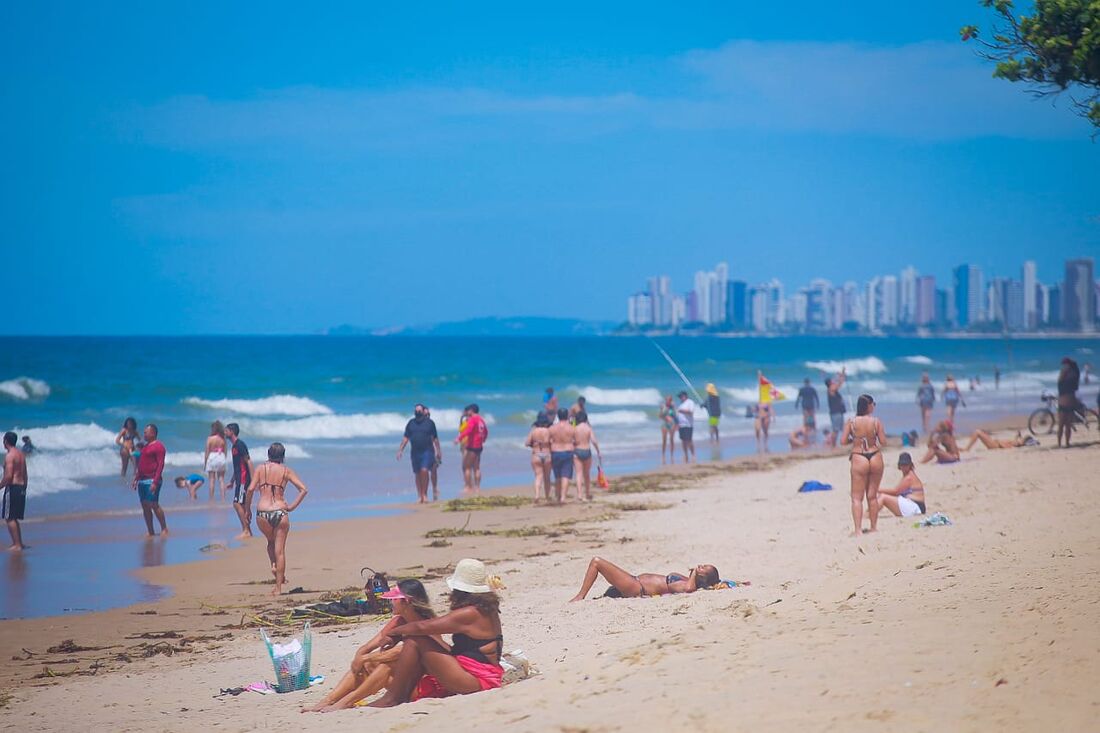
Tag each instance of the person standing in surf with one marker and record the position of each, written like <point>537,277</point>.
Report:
<point>213,458</point>
<point>148,477</point>
<point>685,421</point>
<point>420,433</point>
<point>714,411</point>
<point>13,506</point>
<point>666,413</point>
<point>807,400</point>
<point>474,433</point>
<point>585,440</point>
<point>241,480</point>
<point>563,443</point>
<point>926,398</point>
<point>952,396</point>
<point>128,442</point>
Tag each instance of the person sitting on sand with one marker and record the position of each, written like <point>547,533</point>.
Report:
<point>626,585</point>
<point>942,445</point>
<point>994,443</point>
<point>426,668</point>
<point>907,498</point>
<point>799,438</point>
<point>272,511</point>
<point>372,666</point>
<point>192,482</point>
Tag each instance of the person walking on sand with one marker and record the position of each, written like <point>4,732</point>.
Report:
<point>563,443</point>
<point>685,422</point>
<point>214,459</point>
<point>241,480</point>
<point>586,440</point>
<point>835,399</point>
<point>867,437</point>
<point>952,396</point>
<point>538,440</point>
<point>1069,381</point>
<point>926,398</point>
<point>666,413</point>
<point>272,510</point>
<point>13,506</point>
<point>714,411</point>
<point>420,432</point>
<point>148,477</point>
<point>474,433</point>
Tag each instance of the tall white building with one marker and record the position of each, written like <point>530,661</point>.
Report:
<point>702,296</point>
<point>639,310</point>
<point>872,304</point>
<point>718,293</point>
<point>908,296</point>
<point>1031,311</point>
<point>888,304</point>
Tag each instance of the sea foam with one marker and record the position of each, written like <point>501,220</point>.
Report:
<point>23,389</point>
<point>70,436</point>
<point>918,359</point>
<point>280,404</point>
<point>866,365</point>
<point>618,418</point>
<point>618,397</point>
<point>342,427</point>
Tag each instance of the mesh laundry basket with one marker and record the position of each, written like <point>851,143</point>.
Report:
<point>291,665</point>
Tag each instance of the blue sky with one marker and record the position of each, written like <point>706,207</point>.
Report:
<point>226,168</point>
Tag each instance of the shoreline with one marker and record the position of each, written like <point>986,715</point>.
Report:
<point>989,618</point>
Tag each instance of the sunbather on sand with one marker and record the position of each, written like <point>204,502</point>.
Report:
<point>426,668</point>
<point>942,446</point>
<point>372,666</point>
<point>993,443</point>
<point>907,498</point>
<point>626,585</point>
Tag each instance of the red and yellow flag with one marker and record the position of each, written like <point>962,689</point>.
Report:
<point>768,392</point>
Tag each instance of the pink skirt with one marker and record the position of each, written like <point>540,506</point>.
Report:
<point>489,676</point>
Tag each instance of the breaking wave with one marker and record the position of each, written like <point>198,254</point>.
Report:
<point>23,389</point>
<point>341,427</point>
<point>280,404</point>
<point>866,365</point>
<point>618,397</point>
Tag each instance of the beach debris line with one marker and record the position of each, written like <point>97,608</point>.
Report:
<point>475,503</point>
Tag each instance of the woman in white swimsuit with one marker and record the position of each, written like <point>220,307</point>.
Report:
<point>213,458</point>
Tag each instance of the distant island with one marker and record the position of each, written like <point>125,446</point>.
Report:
<point>516,326</point>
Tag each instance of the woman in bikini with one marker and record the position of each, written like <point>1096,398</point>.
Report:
<point>372,666</point>
<point>586,441</point>
<point>867,436</point>
<point>426,668</point>
<point>538,440</point>
<point>667,413</point>
<point>907,498</point>
<point>627,585</point>
<point>272,511</point>
<point>213,458</point>
<point>127,441</point>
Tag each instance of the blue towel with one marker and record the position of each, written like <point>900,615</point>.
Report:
<point>815,486</point>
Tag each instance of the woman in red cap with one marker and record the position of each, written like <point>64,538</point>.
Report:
<point>371,668</point>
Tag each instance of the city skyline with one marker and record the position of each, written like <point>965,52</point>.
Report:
<point>906,302</point>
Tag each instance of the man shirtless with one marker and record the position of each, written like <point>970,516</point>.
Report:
<point>563,443</point>
<point>14,484</point>
<point>993,443</point>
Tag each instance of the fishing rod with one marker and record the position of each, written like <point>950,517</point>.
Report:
<point>699,398</point>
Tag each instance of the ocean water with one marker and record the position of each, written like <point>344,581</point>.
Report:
<point>340,406</point>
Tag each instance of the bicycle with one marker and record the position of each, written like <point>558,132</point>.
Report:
<point>1043,420</point>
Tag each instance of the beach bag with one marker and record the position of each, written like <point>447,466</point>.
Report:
<point>601,478</point>
<point>373,590</point>
<point>291,660</point>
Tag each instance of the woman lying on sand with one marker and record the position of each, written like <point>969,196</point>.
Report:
<point>907,498</point>
<point>272,511</point>
<point>993,443</point>
<point>372,666</point>
<point>626,585</point>
<point>426,668</point>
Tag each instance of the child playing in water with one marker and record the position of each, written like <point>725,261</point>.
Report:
<point>192,483</point>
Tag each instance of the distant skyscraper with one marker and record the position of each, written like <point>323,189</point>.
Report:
<point>1042,304</point>
<point>943,307</point>
<point>691,307</point>
<point>888,312</point>
<point>702,297</point>
<point>968,295</point>
<point>718,294</point>
<point>736,305</point>
<point>1031,317</point>
<point>758,307</point>
<point>1013,305</point>
<point>926,300</point>
<point>639,310</point>
<point>874,285</point>
<point>797,311</point>
<point>994,301</point>
<point>678,312</point>
<point>819,305</point>
<point>1079,295</point>
<point>907,304</point>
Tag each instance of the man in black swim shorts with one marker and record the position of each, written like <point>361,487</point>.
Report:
<point>13,504</point>
<point>242,477</point>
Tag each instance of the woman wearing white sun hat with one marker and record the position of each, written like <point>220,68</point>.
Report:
<point>426,669</point>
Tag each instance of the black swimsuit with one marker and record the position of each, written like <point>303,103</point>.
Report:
<point>467,646</point>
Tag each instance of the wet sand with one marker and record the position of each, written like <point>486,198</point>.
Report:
<point>987,624</point>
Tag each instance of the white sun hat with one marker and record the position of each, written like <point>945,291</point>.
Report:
<point>469,576</point>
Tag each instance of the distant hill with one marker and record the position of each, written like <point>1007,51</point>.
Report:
<point>517,326</point>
